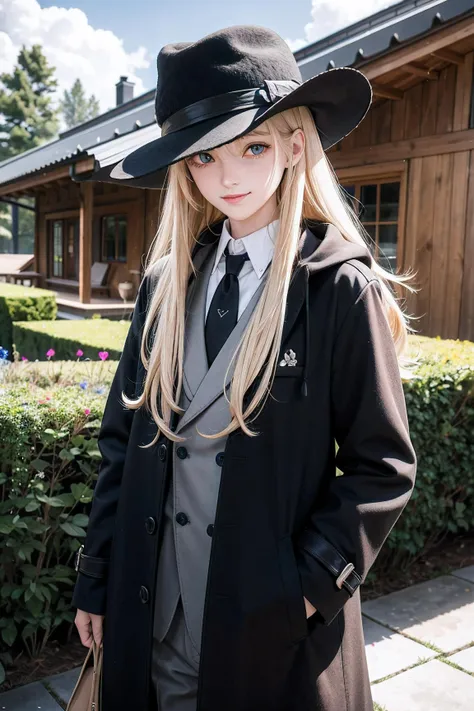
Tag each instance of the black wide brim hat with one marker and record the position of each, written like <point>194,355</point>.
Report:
<point>217,89</point>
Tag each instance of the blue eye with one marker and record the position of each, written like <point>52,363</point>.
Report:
<point>258,145</point>
<point>203,154</point>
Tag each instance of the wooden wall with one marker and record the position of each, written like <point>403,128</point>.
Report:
<point>439,216</point>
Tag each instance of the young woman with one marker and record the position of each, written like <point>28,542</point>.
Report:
<point>223,551</point>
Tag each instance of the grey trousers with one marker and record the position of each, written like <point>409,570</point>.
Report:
<point>175,667</point>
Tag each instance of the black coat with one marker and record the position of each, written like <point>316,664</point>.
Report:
<point>285,525</point>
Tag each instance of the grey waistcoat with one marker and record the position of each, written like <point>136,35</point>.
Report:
<point>196,465</point>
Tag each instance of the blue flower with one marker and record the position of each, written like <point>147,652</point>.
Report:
<point>83,385</point>
<point>99,390</point>
<point>3,353</point>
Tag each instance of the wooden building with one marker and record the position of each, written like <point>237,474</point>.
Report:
<point>409,167</point>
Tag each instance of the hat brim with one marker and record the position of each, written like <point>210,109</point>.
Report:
<point>338,105</point>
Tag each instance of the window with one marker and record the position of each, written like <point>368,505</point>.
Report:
<point>58,248</point>
<point>377,205</point>
<point>114,238</point>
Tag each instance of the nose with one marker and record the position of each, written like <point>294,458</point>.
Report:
<point>229,177</point>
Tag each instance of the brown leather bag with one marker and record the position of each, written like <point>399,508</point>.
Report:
<point>86,695</point>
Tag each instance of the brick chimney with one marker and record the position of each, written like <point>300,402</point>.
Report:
<point>124,90</point>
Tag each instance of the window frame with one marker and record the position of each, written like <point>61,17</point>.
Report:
<point>116,216</point>
<point>395,171</point>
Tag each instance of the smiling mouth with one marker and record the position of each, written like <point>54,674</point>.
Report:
<point>235,197</point>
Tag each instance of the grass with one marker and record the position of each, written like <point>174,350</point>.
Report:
<point>15,291</point>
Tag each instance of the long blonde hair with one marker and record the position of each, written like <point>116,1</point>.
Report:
<point>308,190</point>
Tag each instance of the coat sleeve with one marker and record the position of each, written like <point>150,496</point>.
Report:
<point>375,455</point>
<point>90,589</point>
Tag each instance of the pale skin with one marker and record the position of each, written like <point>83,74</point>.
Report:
<point>243,166</point>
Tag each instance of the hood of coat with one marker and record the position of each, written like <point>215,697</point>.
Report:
<point>322,245</point>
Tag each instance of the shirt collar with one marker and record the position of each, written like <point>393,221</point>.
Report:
<point>259,245</point>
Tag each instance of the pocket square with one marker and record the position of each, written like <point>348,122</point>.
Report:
<point>289,358</point>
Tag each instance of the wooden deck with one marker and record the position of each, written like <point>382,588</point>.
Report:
<point>70,307</point>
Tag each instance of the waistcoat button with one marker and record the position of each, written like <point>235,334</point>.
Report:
<point>162,452</point>
<point>182,518</point>
<point>150,525</point>
<point>220,458</point>
<point>210,529</point>
<point>144,594</point>
<point>182,452</point>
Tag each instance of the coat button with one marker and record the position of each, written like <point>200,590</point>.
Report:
<point>182,452</point>
<point>220,458</point>
<point>144,594</point>
<point>182,518</point>
<point>150,525</point>
<point>210,529</point>
<point>162,452</point>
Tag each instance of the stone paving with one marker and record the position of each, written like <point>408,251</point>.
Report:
<point>419,645</point>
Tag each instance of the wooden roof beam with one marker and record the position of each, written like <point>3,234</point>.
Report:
<point>447,55</point>
<point>440,39</point>
<point>421,71</point>
<point>387,92</point>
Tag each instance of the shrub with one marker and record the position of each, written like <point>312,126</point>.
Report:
<point>48,460</point>
<point>440,405</point>
<point>65,337</point>
<point>23,303</point>
<point>45,374</point>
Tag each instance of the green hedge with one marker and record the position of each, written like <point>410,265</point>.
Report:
<point>33,340</point>
<point>49,459</point>
<point>23,303</point>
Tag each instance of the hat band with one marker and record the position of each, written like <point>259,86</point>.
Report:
<point>269,92</point>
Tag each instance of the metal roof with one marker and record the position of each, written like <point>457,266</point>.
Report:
<point>109,137</point>
<point>378,33</point>
<point>92,138</point>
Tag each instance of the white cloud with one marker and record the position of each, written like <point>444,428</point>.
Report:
<point>72,45</point>
<point>328,17</point>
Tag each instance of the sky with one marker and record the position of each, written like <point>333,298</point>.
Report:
<point>101,40</point>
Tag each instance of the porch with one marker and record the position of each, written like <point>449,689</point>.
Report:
<point>71,307</point>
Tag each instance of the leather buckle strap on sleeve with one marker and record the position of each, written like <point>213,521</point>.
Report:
<point>89,565</point>
<point>320,548</point>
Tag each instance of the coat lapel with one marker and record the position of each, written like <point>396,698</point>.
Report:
<point>202,385</point>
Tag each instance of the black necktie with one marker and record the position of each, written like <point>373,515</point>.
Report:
<point>224,307</point>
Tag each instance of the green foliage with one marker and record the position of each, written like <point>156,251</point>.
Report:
<point>48,463</point>
<point>34,339</point>
<point>23,303</point>
<point>440,404</point>
<point>27,117</point>
<point>76,107</point>
<point>45,374</point>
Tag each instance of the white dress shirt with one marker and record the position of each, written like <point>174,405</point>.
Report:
<point>259,246</point>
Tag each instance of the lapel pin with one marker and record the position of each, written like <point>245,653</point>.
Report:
<point>289,358</point>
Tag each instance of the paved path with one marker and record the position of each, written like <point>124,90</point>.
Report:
<point>419,645</point>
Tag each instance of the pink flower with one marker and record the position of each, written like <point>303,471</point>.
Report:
<point>79,353</point>
<point>103,355</point>
<point>24,358</point>
<point>87,411</point>
<point>50,353</point>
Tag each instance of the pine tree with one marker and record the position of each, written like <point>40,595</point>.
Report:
<point>27,117</point>
<point>76,107</point>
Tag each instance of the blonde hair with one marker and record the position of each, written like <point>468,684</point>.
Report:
<point>310,190</point>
